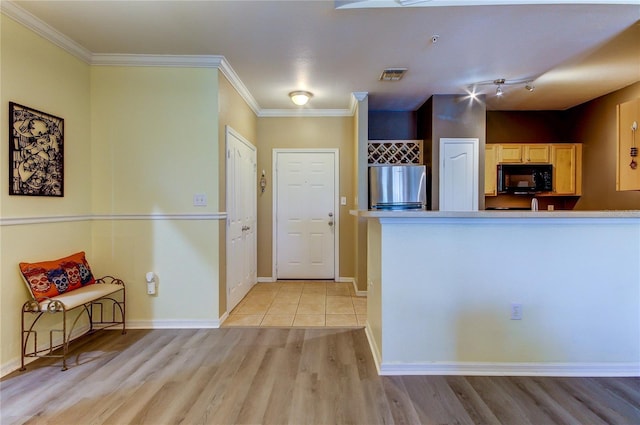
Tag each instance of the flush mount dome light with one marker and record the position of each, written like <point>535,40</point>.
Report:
<point>300,97</point>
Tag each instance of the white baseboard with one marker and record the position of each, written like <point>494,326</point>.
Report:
<point>500,369</point>
<point>355,286</point>
<point>513,369</point>
<point>13,365</point>
<point>375,352</point>
<point>266,279</point>
<point>174,324</point>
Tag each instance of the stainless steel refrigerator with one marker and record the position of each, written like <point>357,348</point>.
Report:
<point>397,187</point>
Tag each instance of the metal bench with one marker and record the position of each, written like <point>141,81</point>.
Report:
<point>102,302</point>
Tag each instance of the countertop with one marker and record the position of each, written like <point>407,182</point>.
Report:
<point>496,214</point>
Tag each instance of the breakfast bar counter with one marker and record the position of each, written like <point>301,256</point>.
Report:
<point>442,287</point>
<point>633,214</point>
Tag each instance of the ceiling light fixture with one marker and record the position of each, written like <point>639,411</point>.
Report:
<point>300,97</point>
<point>499,82</point>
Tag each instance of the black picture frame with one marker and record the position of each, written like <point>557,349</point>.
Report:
<point>36,152</point>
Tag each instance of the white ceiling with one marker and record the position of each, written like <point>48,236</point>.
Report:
<point>573,52</point>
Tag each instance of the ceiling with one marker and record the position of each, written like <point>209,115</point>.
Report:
<point>572,52</point>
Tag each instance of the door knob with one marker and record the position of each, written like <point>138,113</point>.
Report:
<point>331,223</point>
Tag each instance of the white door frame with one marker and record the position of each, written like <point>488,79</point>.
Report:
<point>336,206</point>
<point>230,131</point>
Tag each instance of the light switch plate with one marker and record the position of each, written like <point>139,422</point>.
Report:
<point>343,200</point>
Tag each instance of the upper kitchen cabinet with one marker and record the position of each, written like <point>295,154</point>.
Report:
<point>536,153</point>
<point>509,153</point>
<point>628,161</point>
<point>566,159</point>
<point>514,153</point>
<point>490,170</point>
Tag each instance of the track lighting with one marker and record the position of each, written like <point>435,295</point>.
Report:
<point>501,83</point>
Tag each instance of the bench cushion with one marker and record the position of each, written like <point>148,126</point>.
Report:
<point>83,295</point>
<point>56,277</point>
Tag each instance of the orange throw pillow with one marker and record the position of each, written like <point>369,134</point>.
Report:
<point>51,278</point>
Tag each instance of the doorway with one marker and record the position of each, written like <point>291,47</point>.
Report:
<point>241,217</point>
<point>305,216</point>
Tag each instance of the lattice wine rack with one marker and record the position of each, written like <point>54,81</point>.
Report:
<point>394,152</point>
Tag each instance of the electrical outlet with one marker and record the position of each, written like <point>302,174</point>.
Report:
<point>516,311</point>
<point>199,200</point>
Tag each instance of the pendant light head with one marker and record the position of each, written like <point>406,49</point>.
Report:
<point>300,97</point>
<point>499,82</point>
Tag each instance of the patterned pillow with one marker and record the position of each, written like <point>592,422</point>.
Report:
<point>51,278</point>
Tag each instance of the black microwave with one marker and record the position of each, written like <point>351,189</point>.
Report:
<point>523,179</point>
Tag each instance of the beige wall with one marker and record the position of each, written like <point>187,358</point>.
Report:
<point>596,123</point>
<point>299,132</point>
<point>155,144</point>
<point>233,112</point>
<point>37,74</point>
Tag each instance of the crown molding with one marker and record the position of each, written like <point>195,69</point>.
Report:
<point>237,84</point>
<point>360,95</point>
<point>179,61</point>
<point>44,30</point>
<point>357,96</point>
<point>182,61</point>
<point>15,12</point>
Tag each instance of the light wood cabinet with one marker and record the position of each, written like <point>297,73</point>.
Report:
<point>566,159</point>
<point>510,153</point>
<point>490,170</point>
<point>536,154</point>
<point>515,153</point>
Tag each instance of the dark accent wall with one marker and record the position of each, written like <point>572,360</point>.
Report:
<point>455,116</point>
<point>529,127</point>
<point>425,129</point>
<point>595,125</point>
<point>392,125</point>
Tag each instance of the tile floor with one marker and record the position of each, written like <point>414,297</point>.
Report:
<point>300,303</point>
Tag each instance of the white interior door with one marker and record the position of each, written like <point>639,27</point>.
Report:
<point>459,174</point>
<point>241,217</point>
<point>305,222</point>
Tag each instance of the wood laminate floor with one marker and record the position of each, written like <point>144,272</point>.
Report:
<point>285,376</point>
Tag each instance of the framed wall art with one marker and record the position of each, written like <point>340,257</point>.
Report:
<point>36,152</point>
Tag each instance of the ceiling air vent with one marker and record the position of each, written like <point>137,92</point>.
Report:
<point>392,74</point>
